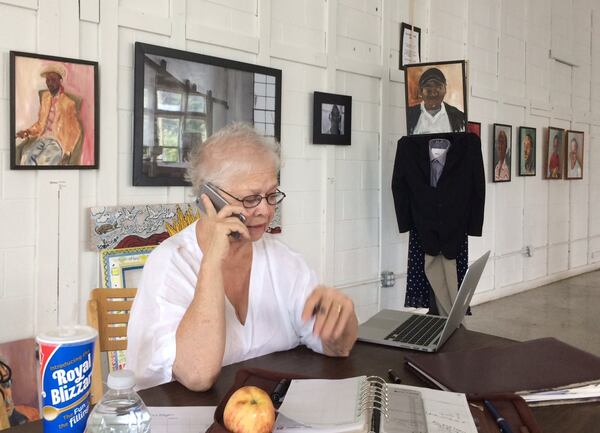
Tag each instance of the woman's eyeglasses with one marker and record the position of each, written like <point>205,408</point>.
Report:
<point>254,200</point>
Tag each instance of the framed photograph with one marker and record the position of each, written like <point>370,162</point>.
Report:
<point>502,142</point>
<point>332,119</point>
<point>574,155</point>
<point>181,98</point>
<point>410,45</point>
<point>474,127</point>
<point>527,151</point>
<point>554,156</point>
<point>436,97</point>
<point>54,115</point>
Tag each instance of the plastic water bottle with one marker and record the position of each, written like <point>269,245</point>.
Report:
<point>121,409</point>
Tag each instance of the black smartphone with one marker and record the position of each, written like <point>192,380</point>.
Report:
<point>218,202</point>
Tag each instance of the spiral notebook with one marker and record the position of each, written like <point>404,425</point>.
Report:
<point>368,404</point>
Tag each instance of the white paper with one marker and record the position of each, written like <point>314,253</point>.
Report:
<point>322,405</point>
<point>410,47</point>
<point>181,419</point>
<point>444,412</point>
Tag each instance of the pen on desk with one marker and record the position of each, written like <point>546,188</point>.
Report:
<point>502,423</point>
<point>394,378</point>
<point>279,392</point>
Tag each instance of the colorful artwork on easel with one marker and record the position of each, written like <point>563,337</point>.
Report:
<point>122,267</point>
<point>136,226</point>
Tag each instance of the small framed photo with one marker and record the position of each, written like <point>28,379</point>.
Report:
<point>502,152</point>
<point>574,153</point>
<point>474,127</point>
<point>527,151</point>
<point>53,112</point>
<point>410,45</point>
<point>554,156</point>
<point>436,97</point>
<point>332,119</point>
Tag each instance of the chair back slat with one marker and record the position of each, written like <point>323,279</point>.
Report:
<point>108,312</point>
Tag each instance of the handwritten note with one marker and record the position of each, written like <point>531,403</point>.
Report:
<point>184,419</point>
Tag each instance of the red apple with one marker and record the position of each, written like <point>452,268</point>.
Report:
<point>249,410</point>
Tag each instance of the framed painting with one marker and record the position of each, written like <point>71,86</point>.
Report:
<point>54,115</point>
<point>574,155</point>
<point>527,151</point>
<point>181,98</point>
<point>554,157</point>
<point>502,152</point>
<point>436,97</point>
<point>332,119</point>
<point>474,127</point>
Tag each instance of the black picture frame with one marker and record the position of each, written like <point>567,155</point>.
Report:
<point>554,154</point>
<point>53,93</point>
<point>404,28</point>
<point>527,163</point>
<point>181,97</point>
<point>574,155</point>
<point>326,129</point>
<point>501,172</point>
<point>454,98</point>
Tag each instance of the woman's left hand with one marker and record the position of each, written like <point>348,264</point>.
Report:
<point>335,320</point>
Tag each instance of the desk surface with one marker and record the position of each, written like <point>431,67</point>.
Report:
<point>367,359</point>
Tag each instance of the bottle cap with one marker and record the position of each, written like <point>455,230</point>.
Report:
<point>121,379</point>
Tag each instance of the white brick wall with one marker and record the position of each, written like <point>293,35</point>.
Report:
<point>339,212</point>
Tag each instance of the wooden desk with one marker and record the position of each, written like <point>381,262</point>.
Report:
<point>368,359</point>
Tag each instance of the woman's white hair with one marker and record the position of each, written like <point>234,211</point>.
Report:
<point>230,151</point>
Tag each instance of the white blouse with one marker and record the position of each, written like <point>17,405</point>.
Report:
<point>280,282</point>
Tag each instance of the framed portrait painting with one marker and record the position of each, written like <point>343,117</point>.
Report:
<point>527,151</point>
<point>332,119</point>
<point>574,155</point>
<point>554,159</point>
<point>436,97</point>
<point>54,117</point>
<point>181,98</point>
<point>474,127</point>
<point>502,143</point>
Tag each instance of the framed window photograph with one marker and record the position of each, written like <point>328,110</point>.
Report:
<point>502,143</point>
<point>474,127</point>
<point>332,119</point>
<point>527,151</point>
<point>436,97</point>
<point>181,98</point>
<point>410,44</point>
<point>554,159</point>
<point>574,155</point>
<point>54,117</point>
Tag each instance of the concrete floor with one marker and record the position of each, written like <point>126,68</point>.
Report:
<point>568,310</point>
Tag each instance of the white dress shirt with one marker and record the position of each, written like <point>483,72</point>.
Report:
<point>429,124</point>
<point>280,282</point>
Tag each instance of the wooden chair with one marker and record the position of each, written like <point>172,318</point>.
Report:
<point>108,312</point>
<point>4,424</point>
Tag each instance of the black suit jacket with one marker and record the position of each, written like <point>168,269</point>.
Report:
<point>455,116</point>
<point>441,215</point>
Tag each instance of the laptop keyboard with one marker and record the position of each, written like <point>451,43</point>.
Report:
<point>418,329</point>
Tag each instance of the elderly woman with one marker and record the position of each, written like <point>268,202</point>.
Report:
<point>209,297</point>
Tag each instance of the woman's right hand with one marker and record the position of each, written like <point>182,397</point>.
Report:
<point>214,229</point>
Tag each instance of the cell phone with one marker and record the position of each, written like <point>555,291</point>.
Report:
<point>218,202</point>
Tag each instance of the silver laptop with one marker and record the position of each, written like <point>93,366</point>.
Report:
<point>423,332</point>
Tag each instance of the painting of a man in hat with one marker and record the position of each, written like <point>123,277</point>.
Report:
<point>54,114</point>
<point>435,96</point>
